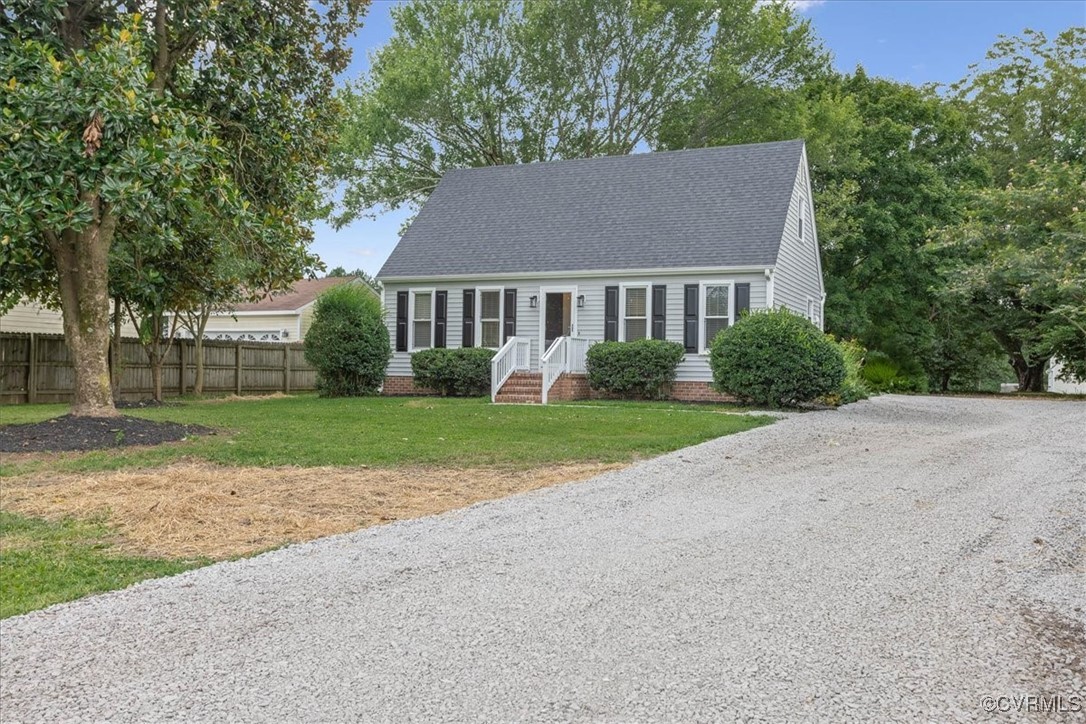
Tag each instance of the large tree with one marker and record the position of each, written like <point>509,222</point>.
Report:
<point>127,127</point>
<point>472,83</point>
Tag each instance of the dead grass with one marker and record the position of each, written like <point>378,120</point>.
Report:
<point>200,510</point>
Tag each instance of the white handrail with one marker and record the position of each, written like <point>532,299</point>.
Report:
<point>515,354</point>
<point>552,364</point>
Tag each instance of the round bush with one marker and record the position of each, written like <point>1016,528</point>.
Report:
<point>348,342</point>
<point>633,369</point>
<point>455,372</point>
<point>775,358</point>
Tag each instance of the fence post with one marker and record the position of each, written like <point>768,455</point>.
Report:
<point>237,369</point>
<point>32,370</point>
<point>286,369</point>
<point>181,353</point>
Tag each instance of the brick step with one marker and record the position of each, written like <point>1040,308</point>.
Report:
<point>520,388</point>
<point>518,399</point>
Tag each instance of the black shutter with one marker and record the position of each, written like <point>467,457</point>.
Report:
<point>401,321</point>
<point>467,335</point>
<point>690,317</point>
<point>610,314</point>
<point>659,311</point>
<point>441,315</point>
<point>510,314</point>
<point>742,299</point>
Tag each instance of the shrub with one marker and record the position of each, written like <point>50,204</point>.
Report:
<point>456,372</point>
<point>776,358</point>
<point>853,387</point>
<point>348,342</point>
<point>633,369</point>
<point>885,375</point>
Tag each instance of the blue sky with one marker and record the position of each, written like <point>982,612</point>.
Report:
<point>917,41</point>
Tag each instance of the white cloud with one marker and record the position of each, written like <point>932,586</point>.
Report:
<point>800,6</point>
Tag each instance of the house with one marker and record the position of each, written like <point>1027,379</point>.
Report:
<point>538,261</point>
<point>280,317</point>
<point>1055,384</point>
<point>31,317</point>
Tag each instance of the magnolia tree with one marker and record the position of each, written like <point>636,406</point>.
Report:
<point>135,137</point>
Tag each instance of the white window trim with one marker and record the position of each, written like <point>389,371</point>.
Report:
<point>703,341</point>
<point>542,301</point>
<point>479,315</point>
<point>622,309</point>
<point>432,291</point>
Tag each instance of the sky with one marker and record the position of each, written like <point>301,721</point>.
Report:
<point>915,41</point>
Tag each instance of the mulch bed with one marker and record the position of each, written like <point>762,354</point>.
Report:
<point>91,433</point>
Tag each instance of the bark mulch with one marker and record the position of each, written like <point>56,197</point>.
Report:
<point>91,433</point>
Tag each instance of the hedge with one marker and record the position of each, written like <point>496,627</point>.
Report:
<point>348,342</point>
<point>633,369</point>
<point>453,372</point>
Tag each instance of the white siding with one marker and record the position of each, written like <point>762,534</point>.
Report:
<point>798,274</point>
<point>588,320</point>
<point>32,317</point>
<point>1059,386</point>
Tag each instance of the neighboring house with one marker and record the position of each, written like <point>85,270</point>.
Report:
<point>280,317</point>
<point>1059,386</point>
<point>540,260</point>
<point>28,316</point>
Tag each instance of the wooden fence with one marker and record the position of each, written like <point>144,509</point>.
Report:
<point>38,368</point>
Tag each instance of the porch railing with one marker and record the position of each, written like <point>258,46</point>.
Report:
<point>566,354</point>
<point>515,354</point>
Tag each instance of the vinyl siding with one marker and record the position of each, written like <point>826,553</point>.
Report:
<point>588,321</point>
<point>32,317</point>
<point>255,325</point>
<point>798,275</point>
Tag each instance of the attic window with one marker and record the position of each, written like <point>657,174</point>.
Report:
<point>801,227</point>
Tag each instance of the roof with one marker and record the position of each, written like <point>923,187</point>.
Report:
<point>302,292</point>
<point>707,207</point>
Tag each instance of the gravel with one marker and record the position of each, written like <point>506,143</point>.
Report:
<point>899,559</point>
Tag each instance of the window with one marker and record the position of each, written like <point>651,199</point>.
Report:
<point>635,318</point>
<point>422,320</point>
<point>716,310</point>
<point>490,318</point>
<point>800,224</point>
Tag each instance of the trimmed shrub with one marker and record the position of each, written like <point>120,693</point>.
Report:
<point>453,372</point>
<point>776,358</point>
<point>348,342</point>
<point>633,369</point>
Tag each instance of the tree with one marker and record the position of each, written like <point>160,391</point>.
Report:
<point>359,274</point>
<point>123,131</point>
<point>348,342</point>
<point>1019,260</point>
<point>478,83</point>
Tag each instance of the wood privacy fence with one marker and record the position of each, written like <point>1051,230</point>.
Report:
<point>38,368</point>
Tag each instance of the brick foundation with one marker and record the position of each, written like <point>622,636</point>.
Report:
<point>575,387</point>
<point>402,385</point>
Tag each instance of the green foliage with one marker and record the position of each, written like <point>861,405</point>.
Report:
<point>854,387</point>
<point>46,563</point>
<point>639,369</point>
<point>776,358</point>
<point>466,83</point>
<point>348,342</point>
<point>453,372</point>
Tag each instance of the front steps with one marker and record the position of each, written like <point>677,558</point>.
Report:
<point>522,388</point>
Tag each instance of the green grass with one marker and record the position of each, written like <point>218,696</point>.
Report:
<point>43,563</point>
<point>393,432</point>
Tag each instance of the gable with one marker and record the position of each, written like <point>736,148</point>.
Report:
<point>699,208</point>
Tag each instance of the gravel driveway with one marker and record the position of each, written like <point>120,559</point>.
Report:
<point>899,559</point>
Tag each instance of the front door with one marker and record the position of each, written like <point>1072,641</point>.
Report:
<point>557,322</point>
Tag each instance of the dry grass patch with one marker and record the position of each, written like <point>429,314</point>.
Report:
<point>192,510</point>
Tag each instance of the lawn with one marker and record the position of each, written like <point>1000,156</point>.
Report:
<point>287,469</point>
<point>392,432</point>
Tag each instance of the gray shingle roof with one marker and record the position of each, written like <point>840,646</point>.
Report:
<point>709,207</point>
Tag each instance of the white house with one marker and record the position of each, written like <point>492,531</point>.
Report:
<point>1055,384</point>
<point>28,316</point>
<point>537,261</point>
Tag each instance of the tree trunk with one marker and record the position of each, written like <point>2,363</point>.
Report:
<point>156,376</point>
<point>116,366</point>
<point>82,260</point>
<point>1031,377</point>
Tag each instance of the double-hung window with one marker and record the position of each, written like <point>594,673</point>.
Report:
<point>716,310</point>
<point>490,318</point>
<point>422,320</point>
<point>635,316</point>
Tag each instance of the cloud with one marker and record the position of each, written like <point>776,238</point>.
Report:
<point>803,6</point>
<point>365,252</point>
